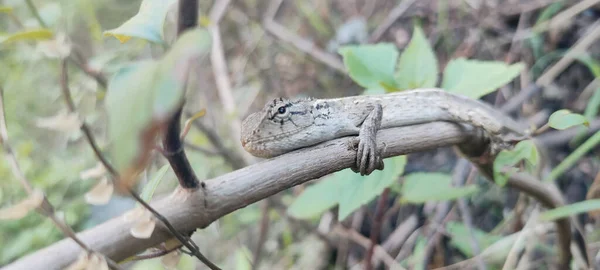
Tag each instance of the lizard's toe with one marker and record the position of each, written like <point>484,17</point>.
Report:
<point>367,157</point>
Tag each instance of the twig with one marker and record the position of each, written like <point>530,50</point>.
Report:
<point>492,251</point>
<point>262,235</point>
<point>236,161</point>
<point>35,13</point>
<point>516,8</point>
<point>464,174</point>
<point>434,236</point>
<point>558,20</point>
<point>512,257</point>
<point>83,65</point>
<point>379,252</point>
<point>468,222</point>
<point>580,47</point>
<point>219,65</point>
<point>45,208</point>
<point>207,152</point>
<point>400,234</point>
<point>301,44</point>
<point>376,227</point>
<point>390,19</point>
<point>513,104</point>
<point>560,137</point>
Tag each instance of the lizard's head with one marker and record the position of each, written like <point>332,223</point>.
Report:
<point>277,128</point>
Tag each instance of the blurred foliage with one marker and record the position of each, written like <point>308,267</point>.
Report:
<point>50,159</point>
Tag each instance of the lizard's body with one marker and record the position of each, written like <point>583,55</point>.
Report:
<point>307,122</point>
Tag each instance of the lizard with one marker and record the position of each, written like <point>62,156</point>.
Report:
<point>285,125</point>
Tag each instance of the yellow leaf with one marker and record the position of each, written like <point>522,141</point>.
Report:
<point>6,9</point>
<point>39,34</point>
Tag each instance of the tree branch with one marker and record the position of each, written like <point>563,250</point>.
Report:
<point>188,209</point>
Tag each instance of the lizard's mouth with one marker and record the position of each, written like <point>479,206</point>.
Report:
<point>269,146</point>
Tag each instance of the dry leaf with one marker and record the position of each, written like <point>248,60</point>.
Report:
<point>81,263</point>
<point>135,214</point>
<point>59,47</point>
<point>63,121</point>
<point>171,260</point>
<point>101,193</point>
<point>22,208</point>
<point>143,228</point>
<point>95,172</point>
<point>97,262</point>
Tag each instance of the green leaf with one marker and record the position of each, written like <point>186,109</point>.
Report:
<point>570,210</point>
<point>506,159</point>
<point>424,187</point>
<point>242,259</point>
<point>371,66</point>
<point>27,35</point>
<point>146,24</point>
<point>319,197</point>
<point>563,119</point>
<point>548,12</point>
<point>459,233</point>
<point>572,158</point>
<point>145,94</point>
<point>129,106</point>
<point>365,189</point>
<point>417,67</point>
<point>149,189</point>
<point>592,64</point>
<point>346,188</point>
<point>475,79</point>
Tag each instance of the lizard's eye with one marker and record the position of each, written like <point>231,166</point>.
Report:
<point>281,110</point>
<point>282,113</point>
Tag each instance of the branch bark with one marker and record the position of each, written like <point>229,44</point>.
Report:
<point>191,209</point>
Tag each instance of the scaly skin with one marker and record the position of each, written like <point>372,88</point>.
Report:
<point>286,125</point>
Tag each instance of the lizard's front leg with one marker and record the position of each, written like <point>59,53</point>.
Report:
<point>368,158</point>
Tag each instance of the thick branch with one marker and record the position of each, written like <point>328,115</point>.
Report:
<point>172,144</point>
<point>188,210</point>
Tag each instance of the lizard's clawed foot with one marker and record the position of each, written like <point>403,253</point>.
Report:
<point>368,158</point>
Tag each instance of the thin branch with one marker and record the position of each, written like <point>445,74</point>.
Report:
<point>231,156</point>
<point>77,58</point>
<point>35,13</point>
<point>262,234</point>
<point>207,152</point>
<point>392,17</point>
<point>580,47</point>
<point>301,44</point>
<point>376,227</point>
<point>379,252</point>
<point>468,221</point>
